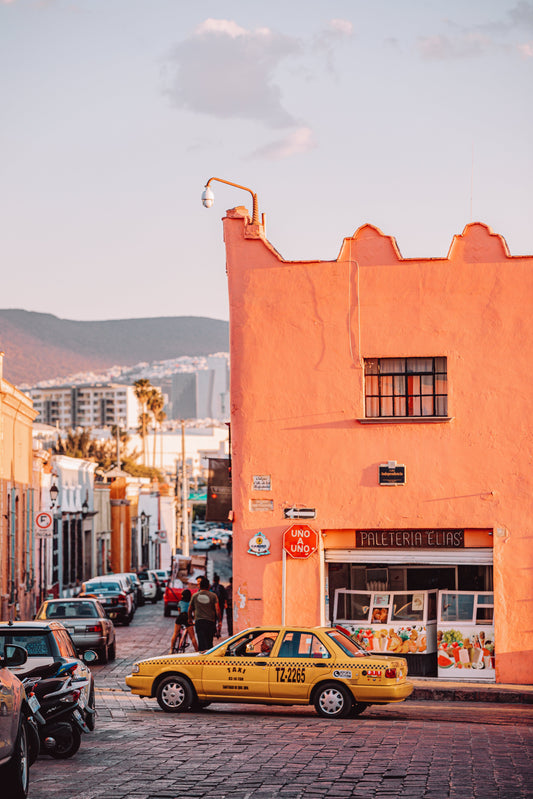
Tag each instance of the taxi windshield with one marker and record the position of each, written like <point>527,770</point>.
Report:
<point>347,644</point>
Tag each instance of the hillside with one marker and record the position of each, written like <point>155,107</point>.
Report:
<point>41,346</point>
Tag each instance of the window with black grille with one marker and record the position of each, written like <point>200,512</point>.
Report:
<point>406,387</point>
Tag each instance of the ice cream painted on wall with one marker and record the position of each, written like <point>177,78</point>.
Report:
<point>465,636</point>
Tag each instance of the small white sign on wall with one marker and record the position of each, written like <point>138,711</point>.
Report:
<point>261,505</point>
<point>261,482</point>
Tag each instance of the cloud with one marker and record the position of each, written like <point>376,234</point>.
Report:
<point>226,71</point>
<point>465,46</point>
<point>521,15</point>
<point>295,143</point>
<point>475,40</point>
<point>526,50</point>
<point>328,40</point>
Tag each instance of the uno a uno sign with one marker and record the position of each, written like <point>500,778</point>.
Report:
<point>300,541</point>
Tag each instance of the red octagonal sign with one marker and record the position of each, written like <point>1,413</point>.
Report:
<point>300,541</point>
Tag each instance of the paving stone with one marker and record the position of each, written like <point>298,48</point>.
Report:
<point>416,750</point>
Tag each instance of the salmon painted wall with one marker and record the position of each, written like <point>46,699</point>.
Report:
<point>299,332</point>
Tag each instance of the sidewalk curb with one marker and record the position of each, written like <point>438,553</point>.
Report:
<point>472,693</point>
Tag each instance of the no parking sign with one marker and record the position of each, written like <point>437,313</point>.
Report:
<point>43,522</point>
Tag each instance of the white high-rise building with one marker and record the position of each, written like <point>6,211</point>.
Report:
<point>99,405</point>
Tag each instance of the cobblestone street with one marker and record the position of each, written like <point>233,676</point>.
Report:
<point>417,749</point>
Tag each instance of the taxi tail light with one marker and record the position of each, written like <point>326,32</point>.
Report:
<point>391,674</point>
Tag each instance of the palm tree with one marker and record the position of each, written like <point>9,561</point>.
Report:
<point>156,403</point>
<point>143,390</point>
<point>161,416</point>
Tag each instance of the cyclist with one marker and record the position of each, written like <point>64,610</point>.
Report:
<point>182,628</point>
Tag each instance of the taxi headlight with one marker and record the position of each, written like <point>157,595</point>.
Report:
<point>135,669</point>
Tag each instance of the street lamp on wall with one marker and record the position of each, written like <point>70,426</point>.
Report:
<point>54,493</point>
<point>208,198</point>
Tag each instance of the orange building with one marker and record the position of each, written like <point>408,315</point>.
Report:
<point>380,405</point>
<point>19,496</point>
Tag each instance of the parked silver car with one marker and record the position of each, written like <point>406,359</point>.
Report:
<point>14,755</point>
<point>87,623</point>
<point>114,594</point>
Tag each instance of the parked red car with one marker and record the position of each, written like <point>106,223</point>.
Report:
<point>172,596</point>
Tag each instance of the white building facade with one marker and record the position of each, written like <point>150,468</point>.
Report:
<point>99,405</point>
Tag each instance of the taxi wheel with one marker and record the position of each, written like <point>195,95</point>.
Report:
<point>333,701</point>
<point>15,774</point>
<point>174,694</point>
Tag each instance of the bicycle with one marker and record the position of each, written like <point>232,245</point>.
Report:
<point>186,636</point>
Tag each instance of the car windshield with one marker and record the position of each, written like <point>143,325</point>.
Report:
<point>35,642</point>
<point>111,587</point>
<point>70,610</point>
<point>347,644</point>
<point>143,576</point>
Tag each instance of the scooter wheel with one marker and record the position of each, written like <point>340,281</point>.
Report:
<point>66,745</point>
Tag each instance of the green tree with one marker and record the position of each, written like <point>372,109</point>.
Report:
<point>79,444</point>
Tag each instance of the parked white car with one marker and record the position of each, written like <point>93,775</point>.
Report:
<point>151,586</point>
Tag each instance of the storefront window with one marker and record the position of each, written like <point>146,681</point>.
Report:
<point>407,607</point>
<point>456,607</point>
<point>358,606</point>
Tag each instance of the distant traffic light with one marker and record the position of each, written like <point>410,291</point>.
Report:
<point>218,504</point>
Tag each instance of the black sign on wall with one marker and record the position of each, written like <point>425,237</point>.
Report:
<point>410,539</point>
<point>391,475</point>
<point>218,505</point>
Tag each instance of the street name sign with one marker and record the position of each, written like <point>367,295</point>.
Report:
<point>299,513</point>
<point>300,541</point>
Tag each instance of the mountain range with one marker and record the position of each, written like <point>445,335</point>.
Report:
<point>41,346</point>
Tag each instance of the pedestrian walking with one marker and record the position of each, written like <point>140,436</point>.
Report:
<point>229,606</point>
<point>218,589</point>
<point>205,612</point>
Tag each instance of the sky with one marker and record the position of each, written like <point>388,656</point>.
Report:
<point>415,116</point>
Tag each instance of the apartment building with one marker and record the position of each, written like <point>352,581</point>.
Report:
<point>98,405</point>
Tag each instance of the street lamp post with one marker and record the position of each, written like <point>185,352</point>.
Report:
<point>208,197</point>
<point>185,547</point>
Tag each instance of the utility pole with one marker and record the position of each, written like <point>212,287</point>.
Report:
<point>118,444</point>
<point>184,497</point>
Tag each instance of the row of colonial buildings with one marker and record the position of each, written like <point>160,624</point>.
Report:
<point>60,523</point>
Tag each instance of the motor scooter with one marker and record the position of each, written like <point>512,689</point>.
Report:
<point>58,705</point>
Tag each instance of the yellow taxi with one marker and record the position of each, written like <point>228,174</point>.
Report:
<point>321,666</point>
